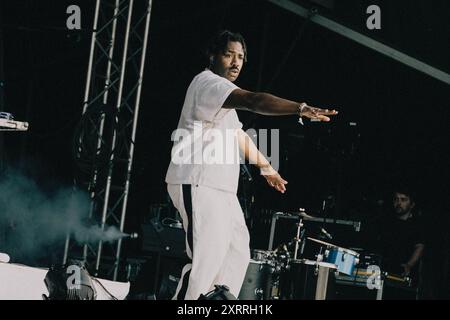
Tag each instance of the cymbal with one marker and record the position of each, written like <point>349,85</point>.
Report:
<point>306,216</point>
<point>322,242</point>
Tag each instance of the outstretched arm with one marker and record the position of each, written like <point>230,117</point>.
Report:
<point>255,157</point>
<point>268,104</point>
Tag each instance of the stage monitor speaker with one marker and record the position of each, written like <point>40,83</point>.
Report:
<point>166,240</point>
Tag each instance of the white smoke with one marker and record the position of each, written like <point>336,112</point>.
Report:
<point>91,234</point>
<point>34,222</point>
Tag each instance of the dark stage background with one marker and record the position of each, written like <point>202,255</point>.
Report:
<point>401,115</point>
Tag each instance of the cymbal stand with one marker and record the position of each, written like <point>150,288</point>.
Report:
<point>297,238</point>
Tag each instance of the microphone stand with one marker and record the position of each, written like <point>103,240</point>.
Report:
<point>324,217</point>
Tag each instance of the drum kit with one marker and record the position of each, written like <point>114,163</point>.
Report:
<point>272,277</point>
<point>283,274</point>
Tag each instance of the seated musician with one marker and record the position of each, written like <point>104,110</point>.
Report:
<point>401,240</point>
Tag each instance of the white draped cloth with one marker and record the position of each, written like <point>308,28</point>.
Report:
<point>20,282</point>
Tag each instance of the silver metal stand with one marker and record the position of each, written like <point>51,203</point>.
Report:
<point>110,113</point>
<point>297,238</point>
<point>322,283</point>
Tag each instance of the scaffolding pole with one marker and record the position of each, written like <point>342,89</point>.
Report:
<point>108,127</point>
<point>365,40</point>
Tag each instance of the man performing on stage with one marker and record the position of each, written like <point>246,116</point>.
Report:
<point>204,192</point>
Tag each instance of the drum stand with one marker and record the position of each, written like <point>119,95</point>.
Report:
<point>322,282</point>
<point>321,271</point>
<point>298,239</point>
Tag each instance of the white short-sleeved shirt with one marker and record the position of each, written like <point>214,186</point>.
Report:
<point>205,149</point>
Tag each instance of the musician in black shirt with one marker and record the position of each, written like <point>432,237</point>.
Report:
<point>401,238</point>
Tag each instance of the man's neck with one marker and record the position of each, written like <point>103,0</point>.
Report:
<point>405,216</point>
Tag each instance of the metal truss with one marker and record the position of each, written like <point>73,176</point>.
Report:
<point>104,143</point>
<point>365,40</point>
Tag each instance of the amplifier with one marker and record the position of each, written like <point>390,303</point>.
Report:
<point>166,240</point>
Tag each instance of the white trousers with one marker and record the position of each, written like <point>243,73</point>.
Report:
<point>217,240</point>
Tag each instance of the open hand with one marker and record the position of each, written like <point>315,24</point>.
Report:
<point>276,181</point>
<point>317,113</point>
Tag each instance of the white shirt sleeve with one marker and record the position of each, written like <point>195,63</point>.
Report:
<point>210,95</point>
<point>236,124</point>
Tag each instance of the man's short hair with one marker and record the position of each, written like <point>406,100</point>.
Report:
<point>406,190</point>
<point>219,43</point>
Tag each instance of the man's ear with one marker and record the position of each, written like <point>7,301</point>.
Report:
<point>211,60</point>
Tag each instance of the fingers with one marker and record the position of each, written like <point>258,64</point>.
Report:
<point>320,116</point>
<point>327,112</point>
<point>318,113</point>
<point>323,111</point>
<point>276,182</point>
<point>323,118</point>
<point>280,186</point>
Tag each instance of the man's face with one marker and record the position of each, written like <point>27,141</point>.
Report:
<point>402,204</point>
<point>229,63</point>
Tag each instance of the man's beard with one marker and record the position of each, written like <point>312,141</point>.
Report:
<point>400,212</point>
